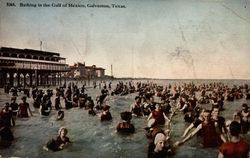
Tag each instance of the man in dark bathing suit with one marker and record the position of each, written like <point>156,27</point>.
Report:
<point>210,132</point>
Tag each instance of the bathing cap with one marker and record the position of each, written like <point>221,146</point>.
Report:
<point>159,137</point>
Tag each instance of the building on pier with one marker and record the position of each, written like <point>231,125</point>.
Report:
<point>28,67</point>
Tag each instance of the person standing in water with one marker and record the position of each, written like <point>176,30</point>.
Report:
<point>106,115</point>
<point>6,115</point>
<point>57,102</point>
<point>136,107</point>
<point>24,108</point>
<point>210,132</point>
<point>243,114</point>
<point>236,147</point>
<point>14,107</point>
<point>159,116</point>
<point>219,120</point>
<point>194,124</point>
<point>125,126</point>
<point>46,108</point>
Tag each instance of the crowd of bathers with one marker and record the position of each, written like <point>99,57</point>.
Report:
<point>161,104</point>
<point>199,105</point>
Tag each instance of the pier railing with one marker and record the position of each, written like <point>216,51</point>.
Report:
<point>32,64</point>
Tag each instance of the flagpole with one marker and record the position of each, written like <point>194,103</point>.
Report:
<point>111,70</point>
<point>41,45</point>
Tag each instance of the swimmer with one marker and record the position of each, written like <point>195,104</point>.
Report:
<point>60,142</point>
<point>159,116</point>
<point>210,132</point>
<point>125,126</point>
<point>159,149</point>
<point>106,115</point>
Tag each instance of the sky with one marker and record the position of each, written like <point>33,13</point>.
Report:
<point>167,39</point>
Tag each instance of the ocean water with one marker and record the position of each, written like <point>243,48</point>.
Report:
<point>93,139</point>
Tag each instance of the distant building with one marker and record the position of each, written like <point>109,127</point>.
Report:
<point>28,67</point>
<point>79,70</point>
<point>95,72</point>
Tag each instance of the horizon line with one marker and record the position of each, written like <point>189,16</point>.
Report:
<point>180,78</point>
